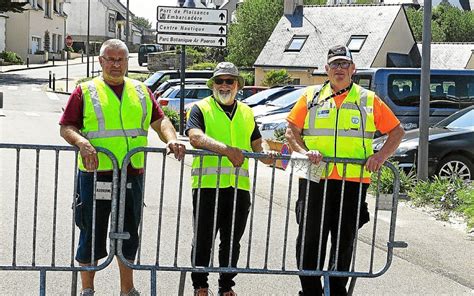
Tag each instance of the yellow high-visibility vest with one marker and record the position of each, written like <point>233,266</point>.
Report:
<point>118,125</point>
<point>346,132</point>
<point>236,133</point>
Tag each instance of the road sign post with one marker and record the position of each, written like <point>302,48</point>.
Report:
<point>190,26</point>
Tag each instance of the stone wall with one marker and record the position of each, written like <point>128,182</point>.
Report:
<point>166,60</point>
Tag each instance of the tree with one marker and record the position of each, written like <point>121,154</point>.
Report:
<point>276,77</point>
<point>141,23</point>
<point>8,5</point>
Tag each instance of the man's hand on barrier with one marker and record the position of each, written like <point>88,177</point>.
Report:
<point>178,148</point>
<point>314,156</point>
<point>235,156</point>
<point>89,156</point>
<point>375,162</point>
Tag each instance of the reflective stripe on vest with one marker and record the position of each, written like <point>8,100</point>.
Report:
<point>118,125</point>
<point>236,133</point>
<point>341,132</point>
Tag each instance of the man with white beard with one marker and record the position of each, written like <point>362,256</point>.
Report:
<point>223,125</point>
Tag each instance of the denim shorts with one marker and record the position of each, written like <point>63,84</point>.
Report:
<point>83,218</point>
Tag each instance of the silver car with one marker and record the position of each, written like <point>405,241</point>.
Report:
<point>192,93</point>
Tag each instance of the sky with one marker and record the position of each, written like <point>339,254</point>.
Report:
<point>147,8</point>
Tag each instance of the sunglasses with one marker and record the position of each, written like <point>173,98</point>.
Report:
<point>343,65</point>
<point>228,81</point>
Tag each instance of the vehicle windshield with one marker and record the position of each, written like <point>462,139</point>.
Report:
<point>258,97</point>
<point>167,93</point>
<point>463,119</point>
<point>287,99</point>
<point>153,78</point>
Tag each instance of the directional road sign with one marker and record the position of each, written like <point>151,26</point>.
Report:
<point>199,40</point>
<point>191,15</point>
<point>186,28</point>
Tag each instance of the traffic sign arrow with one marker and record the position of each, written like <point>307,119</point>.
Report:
<point>222,16</point>
<point>221,41</point>
<point>222,30</point>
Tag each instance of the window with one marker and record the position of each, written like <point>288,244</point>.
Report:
<point>47,8</point>
<point>54,48</point>
<point>363,81</point>
<point>356,42</point>
<point>296,43</point>
<point>60,42</point>
<point>55,6</point>
<point>446,91</point>
<point>111,23</point>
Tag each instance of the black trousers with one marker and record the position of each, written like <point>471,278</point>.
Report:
<point>312,235</point>
<point>205,236</point>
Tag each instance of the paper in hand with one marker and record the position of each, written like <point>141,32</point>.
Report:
<point>303,168</point>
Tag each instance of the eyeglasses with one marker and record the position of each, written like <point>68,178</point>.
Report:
<point>112,61</point>
<point>228,81</point>
<point>343,65</point>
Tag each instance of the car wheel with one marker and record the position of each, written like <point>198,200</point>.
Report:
<point>456,166</point>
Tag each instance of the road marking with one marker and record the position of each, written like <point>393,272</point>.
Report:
<point>52,96</point>
<point>32,114</point>
<point>35,89</point>
<point>12,87</point>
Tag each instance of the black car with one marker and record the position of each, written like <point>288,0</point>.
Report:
<point>451,147</point>
<point>144,50</point>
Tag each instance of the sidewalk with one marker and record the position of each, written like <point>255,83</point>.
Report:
<point>13,68</point>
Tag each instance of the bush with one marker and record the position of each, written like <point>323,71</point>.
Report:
<point>407,181</point>
<point>11,57</point>
<point>276,77</point>
<point>249,77</point>
<point>203,66</point>
<point>138,76</point>
<point>173,116</point>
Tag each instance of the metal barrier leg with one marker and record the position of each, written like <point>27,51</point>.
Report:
<point>351,286</point>
<point>182,282</point>
<point>43,282</point>
<point>74,283</point>
<point>153,282</point>
<point>327,291</point>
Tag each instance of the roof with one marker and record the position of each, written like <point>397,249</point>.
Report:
<point>327,26</point>
<point>117,6</point>
<point>450,55</point>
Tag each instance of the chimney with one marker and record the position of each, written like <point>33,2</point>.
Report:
<point>290,6</point>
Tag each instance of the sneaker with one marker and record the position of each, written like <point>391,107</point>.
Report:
<point>132,292</point>
<point>203,292</point>
<point>87,292</point>
<point>228,293</point>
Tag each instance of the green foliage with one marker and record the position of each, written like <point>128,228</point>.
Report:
<point>256,20</point>
<point>386,180</point>
<point>276,77</point>
<point>173,116</point>
<point>445,195</point>
<point>141,22</point>
<point>314,2</point>
<point>280,135</point>
<point>448,24</point>
<point>365,2</point>
<point>68,49</point>
<point>85,79</point>
<point>138,76</point>
<point>249,77</point>
<point>8,5</point>
<point>47,41</point>
<point>11,57</point>
<point>203,66</point>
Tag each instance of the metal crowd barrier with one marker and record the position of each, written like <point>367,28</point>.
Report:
<point>166,230</point>
<point>51,205</point>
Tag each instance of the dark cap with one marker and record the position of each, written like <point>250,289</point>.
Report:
<point>339,52</point>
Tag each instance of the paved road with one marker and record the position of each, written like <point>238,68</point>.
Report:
<point>438,260</point>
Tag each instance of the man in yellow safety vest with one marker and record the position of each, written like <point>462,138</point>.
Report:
<point>221,124</point>
<point>336,119</point>
<point>112,112</point>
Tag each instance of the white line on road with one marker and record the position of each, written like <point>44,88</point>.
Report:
<point>52,96</point>
<point>32,114</point>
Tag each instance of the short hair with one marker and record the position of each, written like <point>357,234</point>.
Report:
<point>113,43</point>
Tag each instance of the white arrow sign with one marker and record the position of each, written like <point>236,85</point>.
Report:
<point>191,15</point>
<point>162,27</point>
<point>175,39</point>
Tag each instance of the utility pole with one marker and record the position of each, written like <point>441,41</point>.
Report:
<point>422,165</point>
<point>127,25</point>
<point>88,33</point>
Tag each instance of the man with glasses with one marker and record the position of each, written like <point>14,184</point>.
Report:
<point>115,113</point>
<point>336,119</point>
<point>223,125</point>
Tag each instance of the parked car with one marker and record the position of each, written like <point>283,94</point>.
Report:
<point>171,97</point>
<point>145,49</point>
<point>280,104</point>
<point>267,125</point>
<point>451,90</point>
<point>159,77</point>
<point>451,147</point>
<point>174,82</point>
<point>248,91</point>
<point>268,95</point>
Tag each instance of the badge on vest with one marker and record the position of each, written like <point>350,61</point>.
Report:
<point>103,191</point>
<point>322,113</point>
<point>355,119</point>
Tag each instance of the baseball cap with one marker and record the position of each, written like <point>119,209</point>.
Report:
<point>339,52</point>
<point>226,68</point>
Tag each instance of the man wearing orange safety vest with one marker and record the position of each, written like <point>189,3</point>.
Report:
<point>337,119</point>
